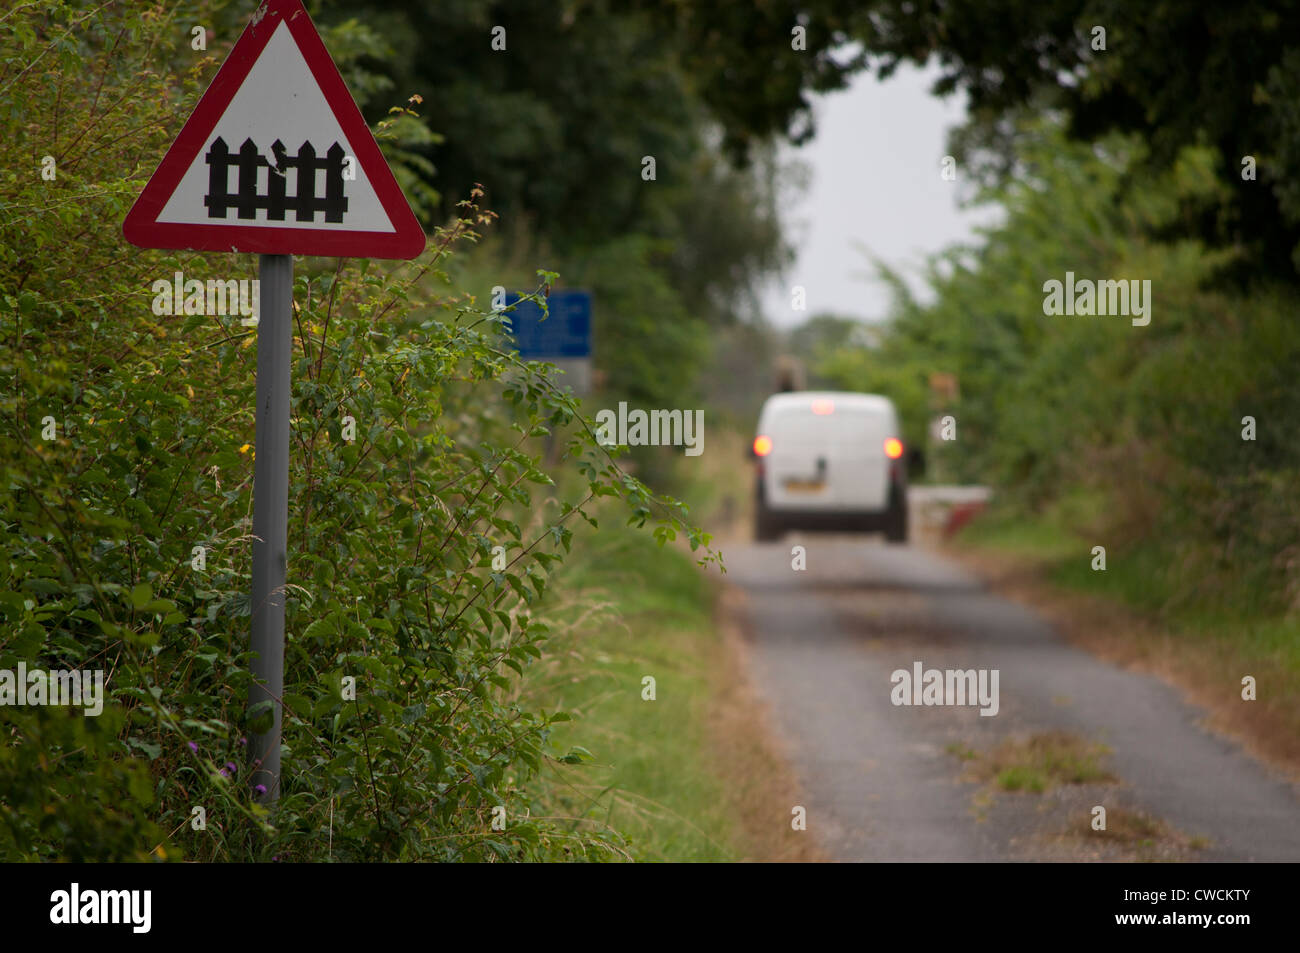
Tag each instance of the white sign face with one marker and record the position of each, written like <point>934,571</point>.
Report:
<point>279,102</point>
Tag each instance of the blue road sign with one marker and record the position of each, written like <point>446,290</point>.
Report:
<point>566,331</point>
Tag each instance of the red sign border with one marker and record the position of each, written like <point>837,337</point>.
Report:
<point>141,226</point>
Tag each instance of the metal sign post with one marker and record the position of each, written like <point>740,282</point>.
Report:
<point>270,513</point>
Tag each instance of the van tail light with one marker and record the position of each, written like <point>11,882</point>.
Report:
<point>893,448</point>
<point>762,446</point>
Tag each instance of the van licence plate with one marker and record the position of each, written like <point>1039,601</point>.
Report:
<point>804,486</point>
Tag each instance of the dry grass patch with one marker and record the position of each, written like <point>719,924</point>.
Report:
<point>1139,836</point>
<point>1038,763</point>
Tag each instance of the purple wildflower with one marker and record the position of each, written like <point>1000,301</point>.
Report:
<point>193,746</point>
<point>260,789</point>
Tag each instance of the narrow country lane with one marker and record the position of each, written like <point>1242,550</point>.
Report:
<point>897,783</point>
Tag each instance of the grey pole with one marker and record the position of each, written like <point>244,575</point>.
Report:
<point>270,511</point>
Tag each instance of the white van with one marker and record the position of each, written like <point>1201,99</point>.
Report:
<point>830,460</point>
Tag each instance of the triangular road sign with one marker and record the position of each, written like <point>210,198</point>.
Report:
<point>276,159</point>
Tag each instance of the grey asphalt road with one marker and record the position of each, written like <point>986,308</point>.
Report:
<point>885,782</point>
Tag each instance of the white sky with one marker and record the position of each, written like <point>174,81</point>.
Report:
<point>874,164</point>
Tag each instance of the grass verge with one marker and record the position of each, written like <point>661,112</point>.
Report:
<point>685,775</point>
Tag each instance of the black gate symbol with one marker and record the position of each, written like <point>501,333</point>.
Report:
<point>247,200</point>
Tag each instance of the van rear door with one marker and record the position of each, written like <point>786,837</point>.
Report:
<point>828,455</point>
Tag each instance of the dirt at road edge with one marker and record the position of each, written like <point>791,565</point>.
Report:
<point>756,771</point>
